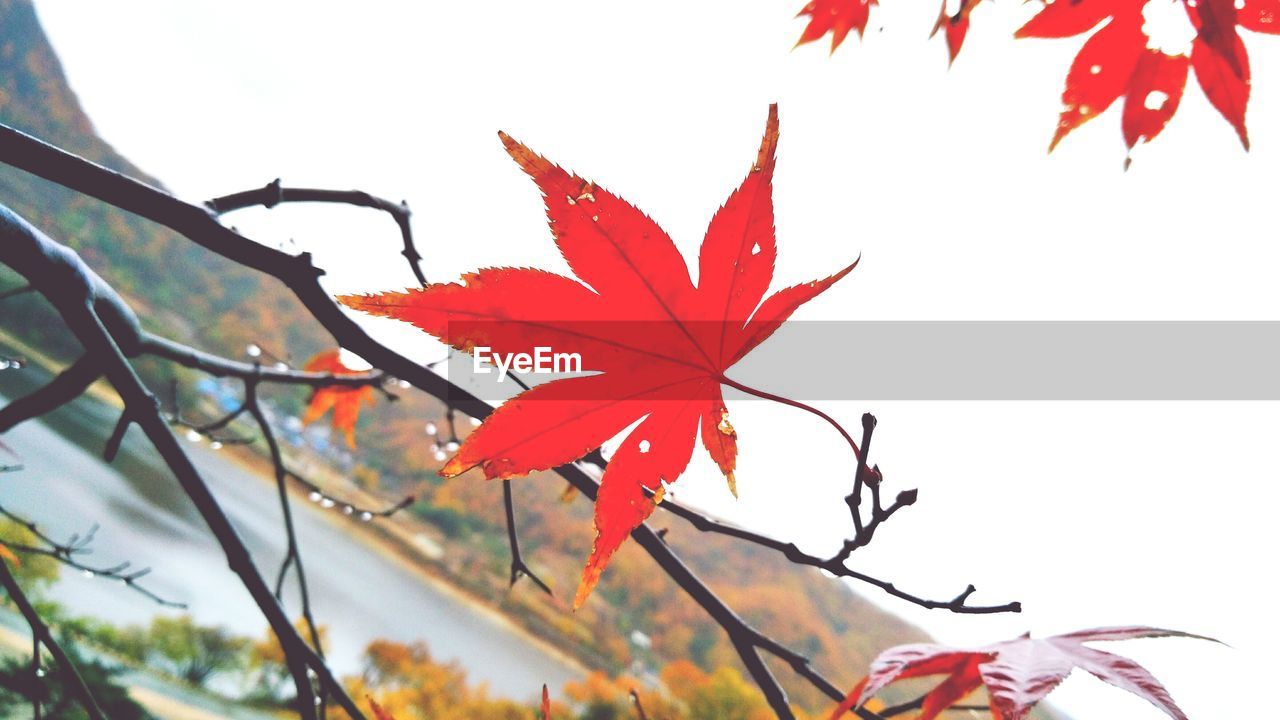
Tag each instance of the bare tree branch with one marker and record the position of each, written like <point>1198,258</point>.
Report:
<point>518,568</point>
<point>222,367</point>
<point>68,552</point>
<point>42,636</point>
<point>273,193</point>
<point>96,315</point>
<point>62,389</point>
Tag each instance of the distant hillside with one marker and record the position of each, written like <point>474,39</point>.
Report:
<point>194,296</point>
<point>176,295</point>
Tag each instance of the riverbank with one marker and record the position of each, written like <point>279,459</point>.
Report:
<point>419,602</point>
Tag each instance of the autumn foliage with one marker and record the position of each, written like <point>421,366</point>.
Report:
<point>1017,673</point>
<point>661,345</point>
<point>1118,60</point>
<point>344,401</point>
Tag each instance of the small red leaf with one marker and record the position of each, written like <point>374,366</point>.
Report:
<point>837,17</point>
<point>955,27</point>
<point>378,712</point>
<point>1017,674</point>
<point>344,401</point>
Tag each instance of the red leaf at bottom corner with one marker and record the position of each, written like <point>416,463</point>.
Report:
<point>1017,673</point>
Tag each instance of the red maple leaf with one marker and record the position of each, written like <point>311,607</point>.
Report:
<point>955,26</point>
<point>1118,61</point>
<point>1017,673</point>
<point>345,401</point>
<point>659,344</point>
<point>837,17</point>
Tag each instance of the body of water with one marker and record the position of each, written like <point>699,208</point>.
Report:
<point>357,593</point>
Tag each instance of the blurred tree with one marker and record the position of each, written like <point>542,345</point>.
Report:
<point>195,652</point>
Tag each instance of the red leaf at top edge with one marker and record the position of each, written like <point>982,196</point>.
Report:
<point>837,17</point>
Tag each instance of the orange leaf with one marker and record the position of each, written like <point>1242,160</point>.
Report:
<point>659,345</point>
<point>7,554</point>
<point>343,400</point>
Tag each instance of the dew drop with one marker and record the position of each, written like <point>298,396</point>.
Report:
<point>595,218</point>
<point>348,510</point>
<point>193,436</point>
<point>315,496</point>
<point>440,455</point>
<point>215,445</point>
<point>431,428</point>
<point>475,422</point>
<point>40,672</point>
<point>326,503</point>
<point>1095,69</point>
<point>366,516</point>
<point>644,446</point>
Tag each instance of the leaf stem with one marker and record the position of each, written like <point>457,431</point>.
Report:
<point>853,445</point>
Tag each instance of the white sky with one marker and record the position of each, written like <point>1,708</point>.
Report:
<point>1090,513</point>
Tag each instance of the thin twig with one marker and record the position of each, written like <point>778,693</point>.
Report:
<point>518,568</point>
<point>293,554</point>
<point>66,553</point>
<point>273,193</point>
<point>42,636</point>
